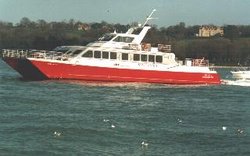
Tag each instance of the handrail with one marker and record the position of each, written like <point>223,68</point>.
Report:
<point>39,54</point>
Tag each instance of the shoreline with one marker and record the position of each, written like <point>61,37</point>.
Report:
<point>226,67</point>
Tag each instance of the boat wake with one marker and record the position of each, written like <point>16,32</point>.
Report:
<point>240,82</point>
<point>128,84</point>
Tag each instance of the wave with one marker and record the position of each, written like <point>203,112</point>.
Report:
<point>241,82</point>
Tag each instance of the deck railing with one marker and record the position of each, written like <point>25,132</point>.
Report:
<point>14,53</point>
<point>20,53</point>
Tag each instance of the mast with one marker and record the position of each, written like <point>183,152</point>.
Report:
<point>131,30</point>
<point>149,18</point>
<point>144,30</point>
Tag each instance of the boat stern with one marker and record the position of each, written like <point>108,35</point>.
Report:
<point>24,67</point>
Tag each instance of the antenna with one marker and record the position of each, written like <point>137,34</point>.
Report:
<point>149,18</point>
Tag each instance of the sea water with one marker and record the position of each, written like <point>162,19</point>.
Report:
<point>123,119</point>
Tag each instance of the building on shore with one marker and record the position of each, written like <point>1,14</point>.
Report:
<point>84,27</point>
<point>210,30</point>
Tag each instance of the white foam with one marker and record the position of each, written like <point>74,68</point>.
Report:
<point>179,120</point>
<point>240,131</point>
<point>57,133</point>
<point>105,120</point>
<point>237,82</point>
<point>144,144</point>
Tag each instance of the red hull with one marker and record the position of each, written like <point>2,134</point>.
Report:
<point>47,70</point>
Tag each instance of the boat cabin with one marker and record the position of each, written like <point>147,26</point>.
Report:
<point>122,55</point>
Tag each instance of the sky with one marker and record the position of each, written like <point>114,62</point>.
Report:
<point>169,12</point>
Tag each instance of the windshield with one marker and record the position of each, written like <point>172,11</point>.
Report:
<point>124,39</point>
<point>73,53</point>
<point>62,49</point>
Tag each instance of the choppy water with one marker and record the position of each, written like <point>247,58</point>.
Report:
<point>109,119</point>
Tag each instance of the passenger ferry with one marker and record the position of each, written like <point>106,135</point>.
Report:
<point>119,57</point>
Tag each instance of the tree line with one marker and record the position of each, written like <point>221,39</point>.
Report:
<point>230,49</point>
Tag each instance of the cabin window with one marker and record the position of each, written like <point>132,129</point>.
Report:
<point>159,59</point>
<point>97,54</point>
<point>124,39</point>
<point>113,55</point>
<point>124,56</point>
<point>144,58</point>
<point>118,39</point>
<point>88,54</point>
<point>69,52</point>
<point>129,39</point>
<point>151,58</point>
<point>136,57</point>
<point>76,52</point>
<point>105,55</point>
